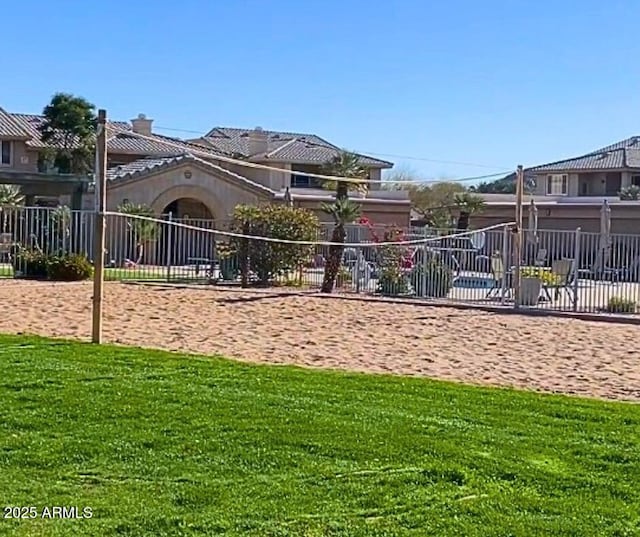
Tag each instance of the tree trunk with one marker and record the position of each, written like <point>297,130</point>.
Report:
<point>463,221</point>
<point>342,190</point>
<point>332,266</point>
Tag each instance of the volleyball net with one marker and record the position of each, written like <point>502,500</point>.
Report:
<point>372,259</point>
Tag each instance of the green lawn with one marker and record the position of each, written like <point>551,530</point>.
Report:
<point>122,274</point>
<point>164,444</point>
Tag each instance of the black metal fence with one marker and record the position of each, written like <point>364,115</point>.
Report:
<point>559,270</point>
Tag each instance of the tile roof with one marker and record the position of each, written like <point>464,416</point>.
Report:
<point>9,127</point>
<point>142,167</point>
<point>282,146</point>
<point>624,154</point>
<point>30,124</point>
<point>154,145</point>
<point>117,142</point>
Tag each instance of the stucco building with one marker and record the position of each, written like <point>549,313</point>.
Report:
<point>196,178</point>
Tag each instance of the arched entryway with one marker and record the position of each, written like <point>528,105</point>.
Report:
<point>188,208</point>
<point>188,199</point>
<point>187,245</point>
<point>196,207</point>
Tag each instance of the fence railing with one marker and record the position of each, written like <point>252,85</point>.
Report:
<point>560,270</point>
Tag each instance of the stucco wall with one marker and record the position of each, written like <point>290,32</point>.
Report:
<point>596,182</point>
<point>625,218</point>
<point>269,178</point>
<point>219,194</point>
<point>378,213</point>
<point>23,158</point>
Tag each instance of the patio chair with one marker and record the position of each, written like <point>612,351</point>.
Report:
<point>498,273</point>
<point>631,273</point>
<point>562,269</point>
<point>601,271</point>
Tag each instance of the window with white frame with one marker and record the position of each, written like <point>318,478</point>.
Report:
<point>6,151</point>
<point>557,185</point>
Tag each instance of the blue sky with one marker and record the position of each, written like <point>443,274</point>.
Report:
<point>493,83</point>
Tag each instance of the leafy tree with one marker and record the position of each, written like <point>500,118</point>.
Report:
<point>342,210</point>
<point>467,205</point>
<point>271,259</point>
<point>399,178</point>
<point>436,203</point>
<point>142,231</point>
<point>69,128</point>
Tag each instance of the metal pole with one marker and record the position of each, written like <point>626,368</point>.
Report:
<point>506,249</point>
<point>169,247</point>
<point>518,235</point>
<point>358,268</point>
<point>576,267</point>
<point>100,225</point>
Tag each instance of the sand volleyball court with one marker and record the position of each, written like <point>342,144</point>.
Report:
<point>550,354</point>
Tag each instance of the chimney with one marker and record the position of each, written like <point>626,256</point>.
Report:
<point>258,141</point>
<point>142,125</point>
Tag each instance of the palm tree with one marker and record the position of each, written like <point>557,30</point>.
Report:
<point>143,231</point>
<point>10,197</point>
<point>342,210</point>
<point>345,164</point>
<point>468,204</point>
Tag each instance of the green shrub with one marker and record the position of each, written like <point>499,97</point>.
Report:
<point>271,259</point>
<point>29,264</point>
<point>432,279</point>
<point>393,282</point>
<point>69,268</point>
<point>618,304</point>
<point>344,277</point>
<point>631,192</point>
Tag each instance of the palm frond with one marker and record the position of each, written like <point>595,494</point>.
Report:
<point>345,164</point>
<point>343,211</point>
<point>469,202</point>
<point>11,196</point>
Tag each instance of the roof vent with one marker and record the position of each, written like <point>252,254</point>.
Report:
<point>604,155</point>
